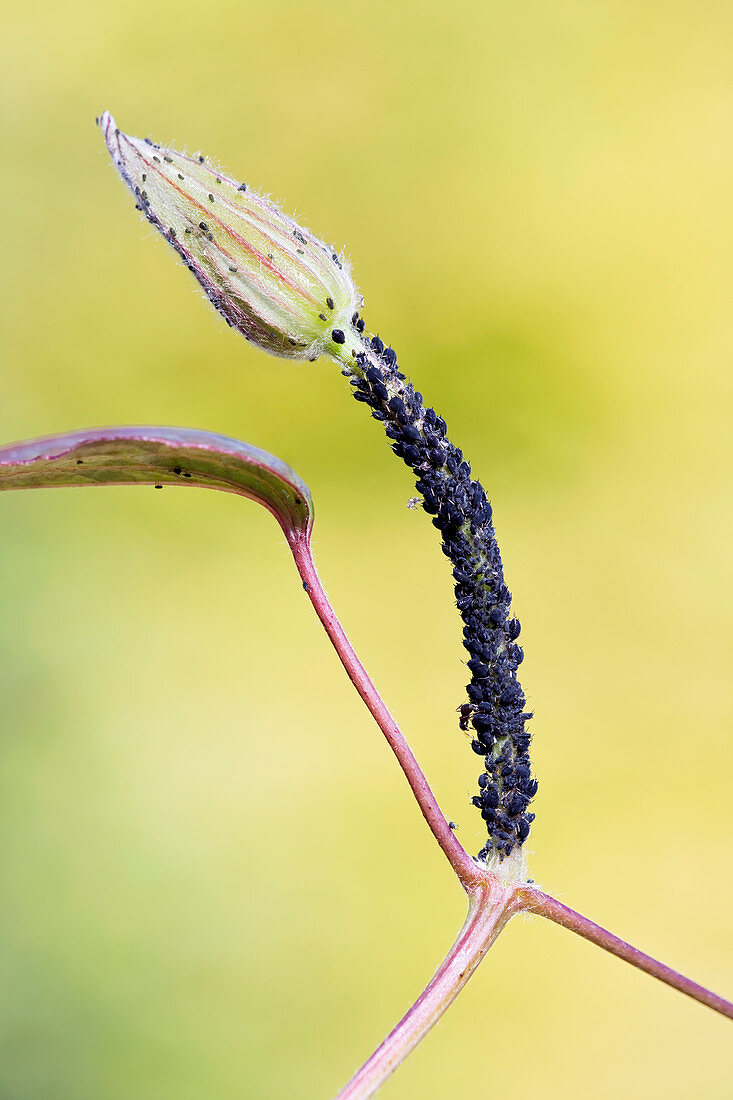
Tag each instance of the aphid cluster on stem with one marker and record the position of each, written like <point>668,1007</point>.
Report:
<point>462,514</point>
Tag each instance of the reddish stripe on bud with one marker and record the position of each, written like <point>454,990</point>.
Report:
<point>271,279</point>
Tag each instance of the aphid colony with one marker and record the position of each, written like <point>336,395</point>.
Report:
<point>461,512</point>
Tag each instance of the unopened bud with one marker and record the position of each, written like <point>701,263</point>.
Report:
<point>272,280</point>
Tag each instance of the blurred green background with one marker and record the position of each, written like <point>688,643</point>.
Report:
<point>214,882</point>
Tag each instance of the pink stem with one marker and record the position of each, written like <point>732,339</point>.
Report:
<point>536,901</point>
<point>468,872</point>
<point>492,902</point>
<point>489,911</point>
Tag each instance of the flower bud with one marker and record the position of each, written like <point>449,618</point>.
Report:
<point>271,280</point>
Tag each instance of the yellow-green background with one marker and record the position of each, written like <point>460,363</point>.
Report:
<point>214,882</point>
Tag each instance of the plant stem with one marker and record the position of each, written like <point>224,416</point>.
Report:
<point>467,870</point>
<point>544,905</point>
<point>490,909</point>
<point>493,898</point>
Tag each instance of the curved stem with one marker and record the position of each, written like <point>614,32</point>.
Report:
<point>490,909</point>
<point>544,905</point>
<point>468,872</point>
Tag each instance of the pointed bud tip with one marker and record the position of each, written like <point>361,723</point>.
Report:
<point>271,279</point>
<point>107,125</point>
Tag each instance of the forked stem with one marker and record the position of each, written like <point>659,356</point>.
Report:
<point>490,908</point>
<point>493,897</point>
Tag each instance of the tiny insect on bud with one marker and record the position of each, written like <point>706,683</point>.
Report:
<point>268,277</point>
